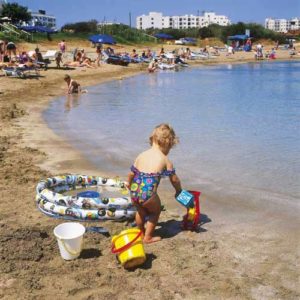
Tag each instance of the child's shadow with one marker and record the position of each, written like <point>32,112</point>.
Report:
<point>172,227</point>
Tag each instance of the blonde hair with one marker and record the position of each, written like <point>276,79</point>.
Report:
<point>164,136</point>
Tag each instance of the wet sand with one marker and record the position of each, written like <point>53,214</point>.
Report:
<point>240,252</point>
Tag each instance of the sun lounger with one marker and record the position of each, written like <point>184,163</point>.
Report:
<point>43,64</point>
<point>21,72</point>
<point>117,60</point>
<point>200,55</point>
<point>50,54</point>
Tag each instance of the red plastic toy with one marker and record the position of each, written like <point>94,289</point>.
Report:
<point>192,217</point>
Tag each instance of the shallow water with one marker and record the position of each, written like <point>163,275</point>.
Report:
<point>238,126</point>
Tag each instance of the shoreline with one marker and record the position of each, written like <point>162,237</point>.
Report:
<point>240,252</point>
<point>35,116</point>
<point>44,142</point>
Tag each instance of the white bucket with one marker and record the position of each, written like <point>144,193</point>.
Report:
<point>69,237</point>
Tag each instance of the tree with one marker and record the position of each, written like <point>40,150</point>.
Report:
<point>16,13</point>
<point>81,27</point>
<point>205,32</point>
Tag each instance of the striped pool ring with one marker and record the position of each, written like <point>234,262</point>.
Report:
<point>52,202</point>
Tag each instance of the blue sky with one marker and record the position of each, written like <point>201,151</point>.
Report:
<point>237,10</point>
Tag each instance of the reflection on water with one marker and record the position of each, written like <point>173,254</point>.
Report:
<point>238,125</point>
<point>72,101</point>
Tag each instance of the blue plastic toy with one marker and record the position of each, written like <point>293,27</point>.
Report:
<point>185,198</point>
<point>88,194</point>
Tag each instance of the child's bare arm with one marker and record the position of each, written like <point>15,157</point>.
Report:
<point>129,180</point>
<point>175,181</point>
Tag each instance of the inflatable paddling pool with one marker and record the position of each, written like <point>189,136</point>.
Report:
<point>87,205</point>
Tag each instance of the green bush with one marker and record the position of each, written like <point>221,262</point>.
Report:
<point>81,27</point>
<point>125,34</point>
<point>257,31</point>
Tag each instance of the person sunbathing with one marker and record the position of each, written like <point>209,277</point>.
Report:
<point>86,63</point>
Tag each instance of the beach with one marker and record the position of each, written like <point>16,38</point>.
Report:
<point>240,252</point>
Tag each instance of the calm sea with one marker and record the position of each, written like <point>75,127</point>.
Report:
<point>238,126</point>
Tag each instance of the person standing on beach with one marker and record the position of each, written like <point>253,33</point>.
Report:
<point>144,178</point>
<point>58,60</point>
<point>62,46</point>
<point>99,55</point>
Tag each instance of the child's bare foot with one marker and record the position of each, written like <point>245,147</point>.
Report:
<point>152,239</point>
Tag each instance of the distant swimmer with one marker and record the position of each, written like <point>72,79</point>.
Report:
<point>73,86</point>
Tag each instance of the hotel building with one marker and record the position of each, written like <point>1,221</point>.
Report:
<point>157,20</point>
<point>282,25</point>
<point>43,19</point>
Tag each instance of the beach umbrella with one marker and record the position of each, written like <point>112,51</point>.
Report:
<point>191,40</point>
<point>164,36</point>
<point>102,39</point>
<point>238,37</point>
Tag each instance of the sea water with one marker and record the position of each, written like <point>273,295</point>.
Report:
<point>238,126</point>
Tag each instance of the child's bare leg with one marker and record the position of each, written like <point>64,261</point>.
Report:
<point>153,207</point>
<point>140,218</point>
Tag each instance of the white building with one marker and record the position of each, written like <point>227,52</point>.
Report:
<point>295,24</point>
<point>43,19</point>
<point>157,20</point>
<point>282,25</point>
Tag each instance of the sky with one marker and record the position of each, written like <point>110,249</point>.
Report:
<point>69,11</point>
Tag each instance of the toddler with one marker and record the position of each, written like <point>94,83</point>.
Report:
<point>58,59</point>
<point>145,175</point>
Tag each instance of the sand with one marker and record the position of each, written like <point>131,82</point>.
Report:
<point>241,251</point>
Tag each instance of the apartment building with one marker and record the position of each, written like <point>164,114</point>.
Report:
<point>282,25</point>
<point>157,20</point>
<point>43,19</point>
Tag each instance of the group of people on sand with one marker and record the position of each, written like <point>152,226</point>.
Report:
<point>259,53</point>
<point>10,57</point>
<point>80,59</point>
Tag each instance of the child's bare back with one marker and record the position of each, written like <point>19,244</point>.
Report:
<point>152,161</point>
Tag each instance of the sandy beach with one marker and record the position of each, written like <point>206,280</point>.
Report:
<point>241,251</point>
